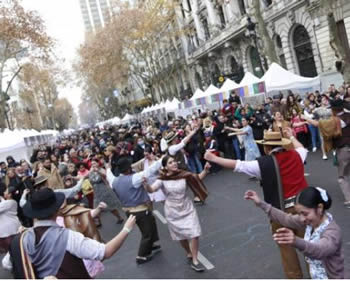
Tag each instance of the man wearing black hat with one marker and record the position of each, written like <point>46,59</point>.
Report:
<point>51,250</point>
<point>135,201</point>
<point>341,143</point>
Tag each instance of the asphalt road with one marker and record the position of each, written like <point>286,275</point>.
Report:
<point>236,240</point>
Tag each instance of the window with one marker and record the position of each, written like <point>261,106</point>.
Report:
<point>206,29</point>
<point>222,16</point>
<point>189,5</point>
<point>268,2</point>
<point>280,52</point>
<point>343,37</point>
<point>241,5</point>
<point>303,52</point>
<point>182,10</point>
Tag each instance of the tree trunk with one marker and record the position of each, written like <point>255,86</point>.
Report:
<point>269,47</point>
<point>343,60</point>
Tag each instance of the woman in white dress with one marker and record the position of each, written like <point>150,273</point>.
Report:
<point>179,210</point>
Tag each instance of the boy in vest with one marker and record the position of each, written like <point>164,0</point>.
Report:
<point>134,198</point>
<point>282,177</point>
<point>50,250</point>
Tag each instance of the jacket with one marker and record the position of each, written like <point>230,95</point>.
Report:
<point>328,249</point>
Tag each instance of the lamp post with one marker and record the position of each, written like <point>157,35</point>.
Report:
<point>251,27</point>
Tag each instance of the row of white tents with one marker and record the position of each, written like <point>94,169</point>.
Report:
<point>276,78</point>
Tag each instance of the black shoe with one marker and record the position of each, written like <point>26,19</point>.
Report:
<point>197,267</point>
<point>198,202</point>
<point>156,249</point>
<point>141,260</point>
<point>189,260</point>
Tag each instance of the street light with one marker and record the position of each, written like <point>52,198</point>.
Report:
<point>251,27</point>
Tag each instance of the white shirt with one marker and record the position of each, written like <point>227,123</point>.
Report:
<point>79,245</point>
<point>9,222</point>
<point>342,123</point>
<point>137,178</point>
<point>251,168</point>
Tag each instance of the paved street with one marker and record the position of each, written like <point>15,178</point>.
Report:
<point>236,240</point>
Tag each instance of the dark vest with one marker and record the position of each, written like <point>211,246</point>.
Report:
<point>72,267</point>
<point>345,137</point>
<point>128,195</point>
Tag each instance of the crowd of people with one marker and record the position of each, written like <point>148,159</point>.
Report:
<point>55,199</point>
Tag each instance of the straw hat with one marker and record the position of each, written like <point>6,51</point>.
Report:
<point>274,138</point>
<point>170,136</point>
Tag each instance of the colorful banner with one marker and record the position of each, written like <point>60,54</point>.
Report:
<point>188,103</point>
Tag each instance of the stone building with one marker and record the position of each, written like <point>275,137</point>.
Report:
<point>218,44</point>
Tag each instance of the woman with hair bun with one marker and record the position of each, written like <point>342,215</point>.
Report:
<point>322,243</point>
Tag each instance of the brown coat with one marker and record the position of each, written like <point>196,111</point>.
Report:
<point>55,180</point>
<point>79,219</point>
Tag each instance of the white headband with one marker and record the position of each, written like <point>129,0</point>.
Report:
<point>323,194</point>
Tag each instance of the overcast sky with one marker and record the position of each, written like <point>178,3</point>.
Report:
<point>64,22</point>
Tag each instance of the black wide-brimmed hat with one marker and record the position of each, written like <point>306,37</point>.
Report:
<point>43,204</point>
<point>338,103</point>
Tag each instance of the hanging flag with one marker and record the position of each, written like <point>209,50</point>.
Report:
<point>256,88</point>
<point>262,87</point>
<point>246,91</point>
<point>203,101</point>
<point>188,104</point>
<point>241,92</point>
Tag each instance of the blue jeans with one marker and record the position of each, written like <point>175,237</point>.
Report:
<point>194,164</point>
<point>315,136</point>
<point>236,147</point>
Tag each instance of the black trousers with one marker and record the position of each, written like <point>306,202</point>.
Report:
<point>146,222</point>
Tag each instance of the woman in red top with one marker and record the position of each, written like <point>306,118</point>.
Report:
<point>299,127</point>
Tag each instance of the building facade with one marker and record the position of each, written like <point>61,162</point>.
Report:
<point>95,13</point>
<point>218,44</point>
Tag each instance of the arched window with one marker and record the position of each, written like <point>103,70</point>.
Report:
<point>255,62</point>
<point>215,74</point>
<point>198,80</point>
<point>236,70</point>
<point>303,52</point>
<point>280,53</point>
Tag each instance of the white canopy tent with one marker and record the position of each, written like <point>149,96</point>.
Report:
<point>172,105</point>
<point>249,79</point>
<point>228,85</point>
<point>116,120</point>
<point>197,93</point>
<point>128,117</point>
<point>277,79</point>
<point>211,90</point>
